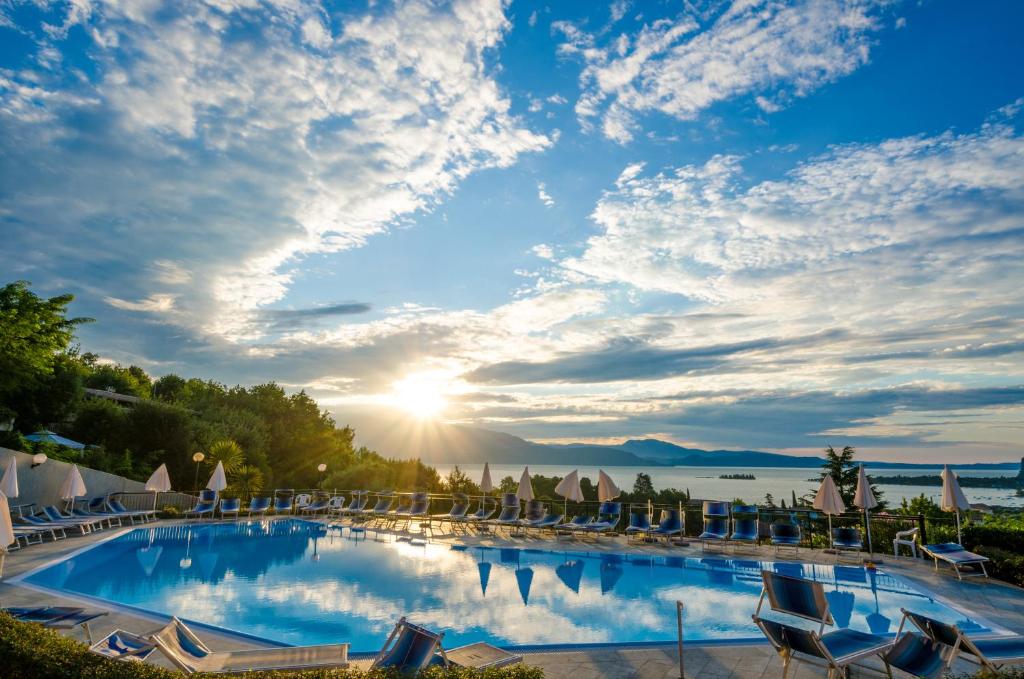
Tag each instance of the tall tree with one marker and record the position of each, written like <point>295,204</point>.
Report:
<point>841,467</point>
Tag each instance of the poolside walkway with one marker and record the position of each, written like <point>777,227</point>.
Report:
<point>994,601</point>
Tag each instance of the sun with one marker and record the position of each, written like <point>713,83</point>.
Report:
<point>420,394</point>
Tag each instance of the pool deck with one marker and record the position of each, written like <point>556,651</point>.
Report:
<point>994,601</point>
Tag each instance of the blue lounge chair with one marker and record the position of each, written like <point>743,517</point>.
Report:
<point>846,540</point>
<point>716,524</point>
<point>142,515</point>
<point>917,655</point>
<point>188,653</point>
<point>957,557</point>
<point>230,505</point>
<point>547,521</point>
<point>639,524</point>
<point>409,648</point>
<point>385,501</point>
<point>671,523</point>
<point>121,645</point>
<point>836,650</point>
<point>460,505</point>
<point>403,508</point>
<point>485,510</point>
<point>28,535</point>
<point>58,617</point>
<point>205,505</point>
<point>98,513</point>
<point>54,515</point>
<point>259,505</point>
<point>420,508</point>
<point>608,516</point>
<point>358,503</point>
<point>101,505</point>
<point>991,653</point>
<point>36,522</point>
<point>283,501</point>
<point>786,536</point>
<point>318,503</point>
<point>573,525</point>
<point>744,526</point>
<point>510,509</point>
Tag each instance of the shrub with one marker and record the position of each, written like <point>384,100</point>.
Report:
<point>30,651</point>
<point>1003,564</point>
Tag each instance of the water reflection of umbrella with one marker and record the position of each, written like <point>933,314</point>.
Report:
<point>207,564</point>
<point>485,575</point>
<point>611,571</point>
<point>524,576</point>
<point>571,573</point>
<point>877,623</point>
<point>840,605</point>
<point>148,558</point>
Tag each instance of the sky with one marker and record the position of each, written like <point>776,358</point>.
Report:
<point>757,224</point>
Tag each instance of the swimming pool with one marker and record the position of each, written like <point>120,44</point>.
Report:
<point>298,582</point>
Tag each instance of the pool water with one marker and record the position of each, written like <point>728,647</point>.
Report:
<point>299,582</point>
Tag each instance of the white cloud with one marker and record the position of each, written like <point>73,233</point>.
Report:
<point>542,194</point>
<point>242,137</point>
<point>152,304</point>
<point>771,49</point>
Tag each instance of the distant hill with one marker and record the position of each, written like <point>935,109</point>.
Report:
<point>435,442</point>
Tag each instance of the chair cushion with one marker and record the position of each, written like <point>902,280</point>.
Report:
<point>844,643</point>
<point>1001,649</point>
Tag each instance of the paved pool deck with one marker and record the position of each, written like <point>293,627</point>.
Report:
<point>994,601</point>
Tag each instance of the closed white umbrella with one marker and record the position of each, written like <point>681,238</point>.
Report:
<point>865,499</point>
<point>159,482</point>
<point>828,500</point>
<point>953,499</point>
<point>73,485</point>
<point>218,481</point>
<point>6,530</point>
<point>569,488</point>
<point>486,485</point>
<point>525,492</point>
<point>606,488</point>
<point>9,483</point>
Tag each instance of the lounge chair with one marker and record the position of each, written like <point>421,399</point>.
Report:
<point>121,645</point>
<point>671,523</point>
<point>302,500</point>
<point>30,535</point>
<point>283,501</point>
<point>259,505</point>
<point>917,655</point>
<point>109,517</point>
<point>845,540</point>
<point>419,509</point>
<point>54,515</point>
<point>716,524</point>
<point>533,512</point>
<point>573,525</point>
<point>58,617</point>
<point>230,505</point>
<point>744,526</point>
<point>403,508</point>
<point>484,511</point>
<point>205,505</point>
<point>142,514</point>
<point>509,515</point>
<point>786,536</point>
<point>957,557</point>
<point>409,648</point>
<point>836,650</point>
<point>460,505</point>
<point>991,653</point>
<point>385,501</point>
<point>34,522</point>
<point>608,516</point>
<point>546,521</point>
<point>639,524</point>
<point>189,654</point>
<point>99,505</point>
<point>358,503</point>
<point>317,504</point>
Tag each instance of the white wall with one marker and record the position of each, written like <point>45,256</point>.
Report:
<point>40,485</point>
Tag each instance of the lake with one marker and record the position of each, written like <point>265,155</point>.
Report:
<point>703,482</point>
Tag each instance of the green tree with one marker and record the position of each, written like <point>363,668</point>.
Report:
<point>769,501</point>
<point>246,481</point>
<point>169,388</point>
<point>643,487</point>
<point>132,380</point>
<point>227,453</point>
<point>508,485</point>
<point>459,482</point>
<point>841,467</point>
<point>922,505</point>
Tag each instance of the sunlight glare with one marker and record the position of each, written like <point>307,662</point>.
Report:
<point>420,394</point>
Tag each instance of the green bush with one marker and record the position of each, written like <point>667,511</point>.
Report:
<point>29,651</point>
<point>1003,564</point>
<point>1005,673</point>
<point>1007,538</point>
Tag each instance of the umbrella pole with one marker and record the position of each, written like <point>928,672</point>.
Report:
<point>828,540</point>
<point>959,540</point>
<point>867,523</point>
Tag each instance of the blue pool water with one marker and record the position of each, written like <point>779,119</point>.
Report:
<point>299,582</point>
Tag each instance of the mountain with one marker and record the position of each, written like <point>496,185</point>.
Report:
<point>434,442</point>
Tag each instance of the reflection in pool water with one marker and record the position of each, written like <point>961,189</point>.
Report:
<point>299,582</point>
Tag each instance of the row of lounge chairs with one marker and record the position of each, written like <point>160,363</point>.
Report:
<point>54,524</point>
<point>927,653</point>
<point>408,649</point>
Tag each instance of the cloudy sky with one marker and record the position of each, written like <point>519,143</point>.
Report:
<point>755,224</point>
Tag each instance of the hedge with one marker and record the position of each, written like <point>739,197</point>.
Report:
<point>30,651</point>
<point>1003,546</point>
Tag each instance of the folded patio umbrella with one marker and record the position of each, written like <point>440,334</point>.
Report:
<point>159,482</point>
<point>218,481</point>
<point>569,488</point>
<point>73,485</point>
<point>865,499</point>
<point>6,530</point>
<point>606,488</point>
<point>525,492</point>
<point>953,498</point>
<point>828,501</point>
<point>9,483</point>
<point>486,485</point>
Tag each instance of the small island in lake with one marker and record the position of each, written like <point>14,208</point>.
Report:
<point>738,477</point>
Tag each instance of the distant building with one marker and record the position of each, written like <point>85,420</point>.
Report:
<point>125,400</point>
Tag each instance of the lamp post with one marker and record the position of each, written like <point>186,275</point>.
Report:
<point>198,459</point>
<point>321,468</point>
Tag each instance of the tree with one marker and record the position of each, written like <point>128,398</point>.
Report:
<point>769,501</point>
<point>169,388</point>
<point>643,486</point>
<point>840,466</point>
<point>246,481</point>
<point>227,453</point>
<point>459,482</point>
<point>132,380</point>
<point>922,505</point>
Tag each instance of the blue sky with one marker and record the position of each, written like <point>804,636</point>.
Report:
<point>757,224</point>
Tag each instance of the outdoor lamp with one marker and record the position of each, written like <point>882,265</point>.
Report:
<point>198,457</point>
<point>38,459</point>
<point>321,468</point>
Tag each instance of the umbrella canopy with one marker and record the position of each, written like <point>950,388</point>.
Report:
<point>160,481</point>
<point>953,499</point>
<point>47,435</point>
<point>73,485</point>
<point>486,485</point>
<point>9,483</point>
<point>485,575</point>
<point>828,500</point>
<point>569,487</point>
<point>864,498</point>
<point>571,573</point>
<point>524,578</point>
<point>525,492</point>
<point>6,528</point>
<point>218,481</point>
<point>606,488</point>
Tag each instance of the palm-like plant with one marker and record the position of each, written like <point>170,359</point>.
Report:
<point>247,480</point>
<point>228,453</point>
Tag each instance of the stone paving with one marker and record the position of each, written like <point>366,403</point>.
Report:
<point>994,601</point>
